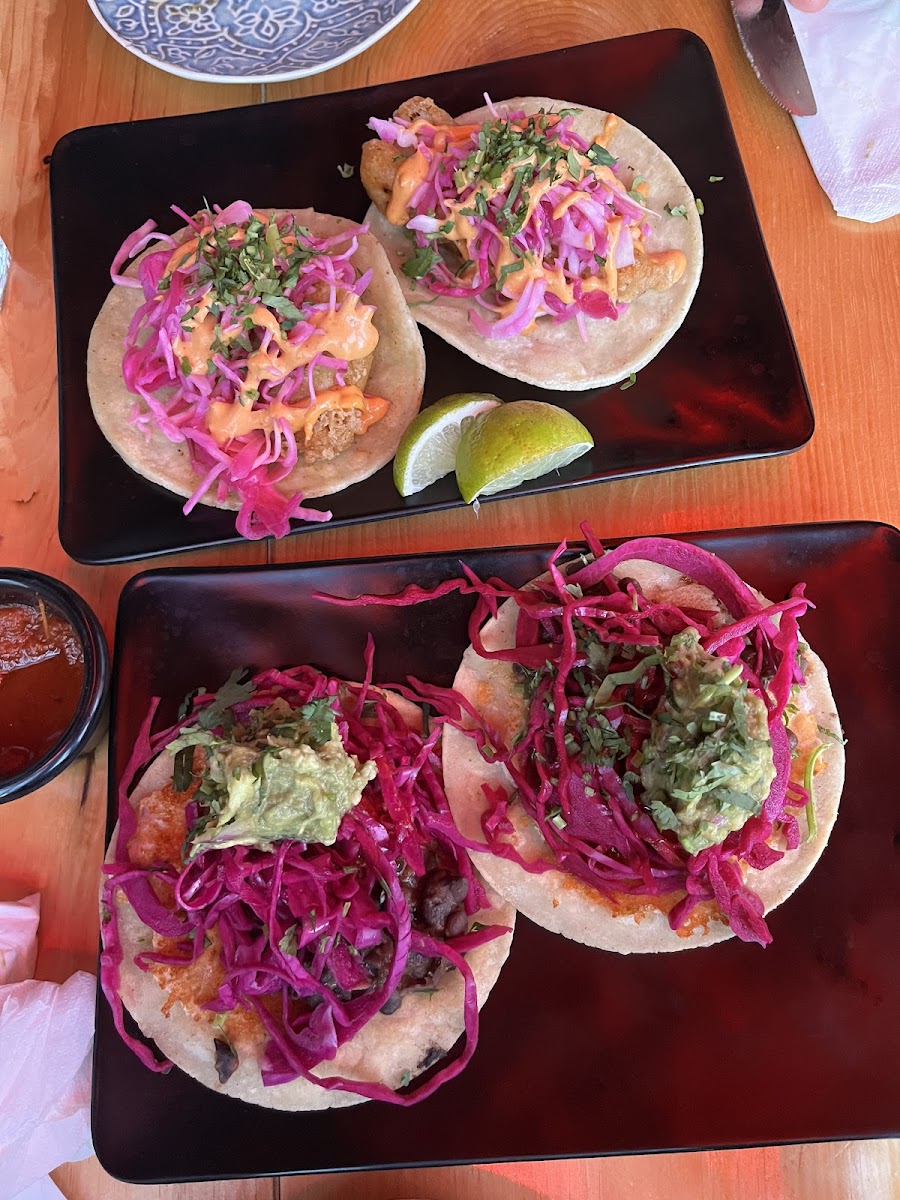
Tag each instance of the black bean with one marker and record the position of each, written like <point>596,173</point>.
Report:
<point>226,1060</point>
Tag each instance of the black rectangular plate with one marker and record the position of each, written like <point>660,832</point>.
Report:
<point>728,386</point>
<point>581,1052</point>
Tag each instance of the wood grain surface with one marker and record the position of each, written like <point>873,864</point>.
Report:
<point>840,281</point>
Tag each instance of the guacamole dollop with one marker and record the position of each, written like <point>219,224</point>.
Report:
<point>286,775</point>
<point>707,764</point>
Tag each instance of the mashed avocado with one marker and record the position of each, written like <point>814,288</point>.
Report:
<point>284,775</point>
<point>707,763</point>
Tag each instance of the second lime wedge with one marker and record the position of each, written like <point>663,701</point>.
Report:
<point>522,440</point>
<point>427,450</point>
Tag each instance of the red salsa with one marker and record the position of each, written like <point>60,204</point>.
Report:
<point>41,678</point>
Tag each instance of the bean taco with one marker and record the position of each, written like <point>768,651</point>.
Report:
<point>554,243</point>
<point>289,913</point>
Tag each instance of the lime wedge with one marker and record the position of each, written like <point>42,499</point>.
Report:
<point>522,440</point>
<point>427,450</point>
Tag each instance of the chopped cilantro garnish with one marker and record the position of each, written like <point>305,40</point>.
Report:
<point>629,382</point>
<point>283,306</point>
<point>508,269</point>
<point>421,262</point>
<point>233,691</point>
<point>716,178</point>
<point>237,265</point>
<point>288,943</point>
<point>188,702</point>
<point>502,144</point>
<point>346,170</point>
<point>182,769</point>
<point>700,208</point>
<point>680,210</point>
<point>319,717</point>
<point>601,156</point>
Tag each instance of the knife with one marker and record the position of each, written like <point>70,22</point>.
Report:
<point>768,38</point>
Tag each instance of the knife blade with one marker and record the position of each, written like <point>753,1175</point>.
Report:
<point>768,38</point>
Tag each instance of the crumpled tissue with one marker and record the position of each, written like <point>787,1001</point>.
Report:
<point>4,269</point>
<point>851,51</point>
<point>46,1031</point>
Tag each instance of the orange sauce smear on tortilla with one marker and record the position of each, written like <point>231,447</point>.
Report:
<point>41,681</point>
<point>159,837</point>
<point>639,907</point>
<point>161,827</point>
<point>806,730</point>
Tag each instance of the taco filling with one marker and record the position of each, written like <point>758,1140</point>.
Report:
<point>637,738</point>
<point>519,213</point>
<point>252,349</point>
<point>290,879</point>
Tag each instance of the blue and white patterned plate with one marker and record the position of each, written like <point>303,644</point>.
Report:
<point>248,41</point>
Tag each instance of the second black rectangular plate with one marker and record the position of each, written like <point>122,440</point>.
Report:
<point>728,386</point>
<point>581,1052</point>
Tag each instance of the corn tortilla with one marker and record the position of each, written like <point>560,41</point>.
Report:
<point>556,356</point>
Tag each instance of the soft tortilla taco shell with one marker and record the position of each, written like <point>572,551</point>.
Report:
<point>556,356</point>
<point>397,375</point>
<point>384,1050</point>
<point>558,901</point>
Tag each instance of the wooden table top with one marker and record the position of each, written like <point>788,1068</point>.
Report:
<point>839,281</point>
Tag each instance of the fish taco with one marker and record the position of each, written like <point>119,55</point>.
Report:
<point>647,748</point>
<point>255,358</point>
<point>554,243</point>
<point>289,913</point>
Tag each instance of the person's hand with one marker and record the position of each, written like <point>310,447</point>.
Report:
<point>749,8</point>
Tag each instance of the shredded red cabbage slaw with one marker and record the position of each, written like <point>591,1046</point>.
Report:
<point>540,217</point>
<point>588,807</point>
<point>223,323</point>
<point>336,902</point>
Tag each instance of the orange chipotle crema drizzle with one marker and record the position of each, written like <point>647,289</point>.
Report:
<point>414,170</point>
<point>345,333</point>
<point>227,420</point>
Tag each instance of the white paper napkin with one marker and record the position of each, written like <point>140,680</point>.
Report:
<point>852,55</point>
<point>4,269</point>
<point>46,1030</point>
<point>18,938</point>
